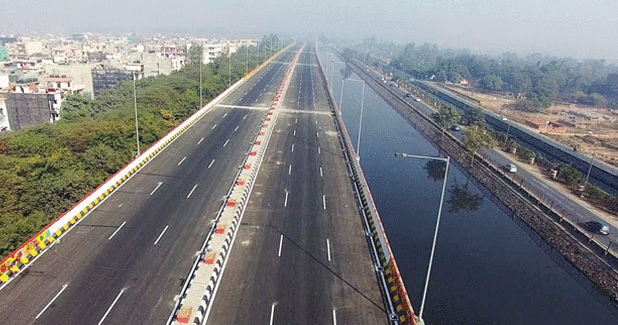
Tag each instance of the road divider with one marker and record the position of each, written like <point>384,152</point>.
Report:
<point>203,281</point>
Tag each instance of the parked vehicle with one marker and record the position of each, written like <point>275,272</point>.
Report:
<point>456,128</point>
<point>511,168</point>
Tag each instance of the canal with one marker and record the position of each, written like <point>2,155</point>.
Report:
<point>489,268</point>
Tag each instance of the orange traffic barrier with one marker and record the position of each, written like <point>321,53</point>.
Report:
<point>240,182</point>
<point>253,153</point>
<point>258,142</point>
<point>220,229</point>
<point>231,203</point>
<point>247,166</point>
<point>184,314</point>
<point>210,258</point>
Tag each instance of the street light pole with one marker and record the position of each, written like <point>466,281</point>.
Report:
<point>135,106</point>
<point>360,122</point>
<point>507,132</point>
<point>201,101</point>
<point>596,144</point>
<point>247,59</point>
<point>341,96</point>
<point>435,235</point>
<point>229,67</point>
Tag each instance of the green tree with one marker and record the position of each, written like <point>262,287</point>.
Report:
<point>446,117</point>
<point>492,82</point>
<point>476,138</point>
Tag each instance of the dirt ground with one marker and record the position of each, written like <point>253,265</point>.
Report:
<point>587,128</point>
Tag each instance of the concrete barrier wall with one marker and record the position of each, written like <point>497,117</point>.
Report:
<point>393,289</point>
<point>34,247</point>
<point>602,174</point>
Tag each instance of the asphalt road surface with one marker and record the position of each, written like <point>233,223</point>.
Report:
<point>128,259</point>
<point>301,255</point>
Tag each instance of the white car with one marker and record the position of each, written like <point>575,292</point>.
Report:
<point>511,168</point>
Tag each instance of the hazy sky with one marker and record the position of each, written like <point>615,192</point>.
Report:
<point>584,28</point>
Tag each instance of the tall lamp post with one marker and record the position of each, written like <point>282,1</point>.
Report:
<point>360,121</point>
<point>508,122</point>
<point>435,235</point>
<point>135,106</point>
<point>596,144</point>
<point>201,101</point>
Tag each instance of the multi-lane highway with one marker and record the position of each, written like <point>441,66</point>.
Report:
<point>128,259</point>
<point>301,255</point>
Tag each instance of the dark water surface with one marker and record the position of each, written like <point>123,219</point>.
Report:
<point>488,267</point>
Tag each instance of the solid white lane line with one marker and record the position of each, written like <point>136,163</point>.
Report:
<point>285,203</point>
<point>321,173</point>
<point>181,160</point>
<point>324,202</point>
<point>226,142</point>
<point>112,306</point>
<point>244,117</point>
<point>213,127</point>
<point>290,170</point>
<point>212,162</point>
<point>193,189</point>
<point>280,245</point>
<point>236,129</point>
<point>161,235</point>
<point>156,188</point>
<point>272,313</point>
<point>328,248</point>
<point>202,139</point>
<point>52,301</point>
<point>334,317</point>
<point>319,151</point>
<point>114,234</point>
<point>292,147</point>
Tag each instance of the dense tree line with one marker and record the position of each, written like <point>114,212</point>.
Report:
<point>535,80</point>
<point>46,169</point>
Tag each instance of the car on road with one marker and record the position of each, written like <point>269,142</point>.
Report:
<point>418,99</point>
<point>407,95</point>
<point>455,128</point>
<point>503,118</point>
<point>597,227</point>
<point>511,168</point>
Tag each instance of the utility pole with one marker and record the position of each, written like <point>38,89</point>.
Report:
<point>247,59</point>
<point>135,106</point>
<point>229,67</point>
<point>360,122</point>
<point>201,102</point>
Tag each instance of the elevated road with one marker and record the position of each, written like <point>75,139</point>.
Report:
<point>127,260</point>
<point>301,255</point>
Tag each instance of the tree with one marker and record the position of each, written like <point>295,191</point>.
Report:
<point>492,82</point>
<point>476,138</point>
<point>194,54</point>
<point>446,117</point>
